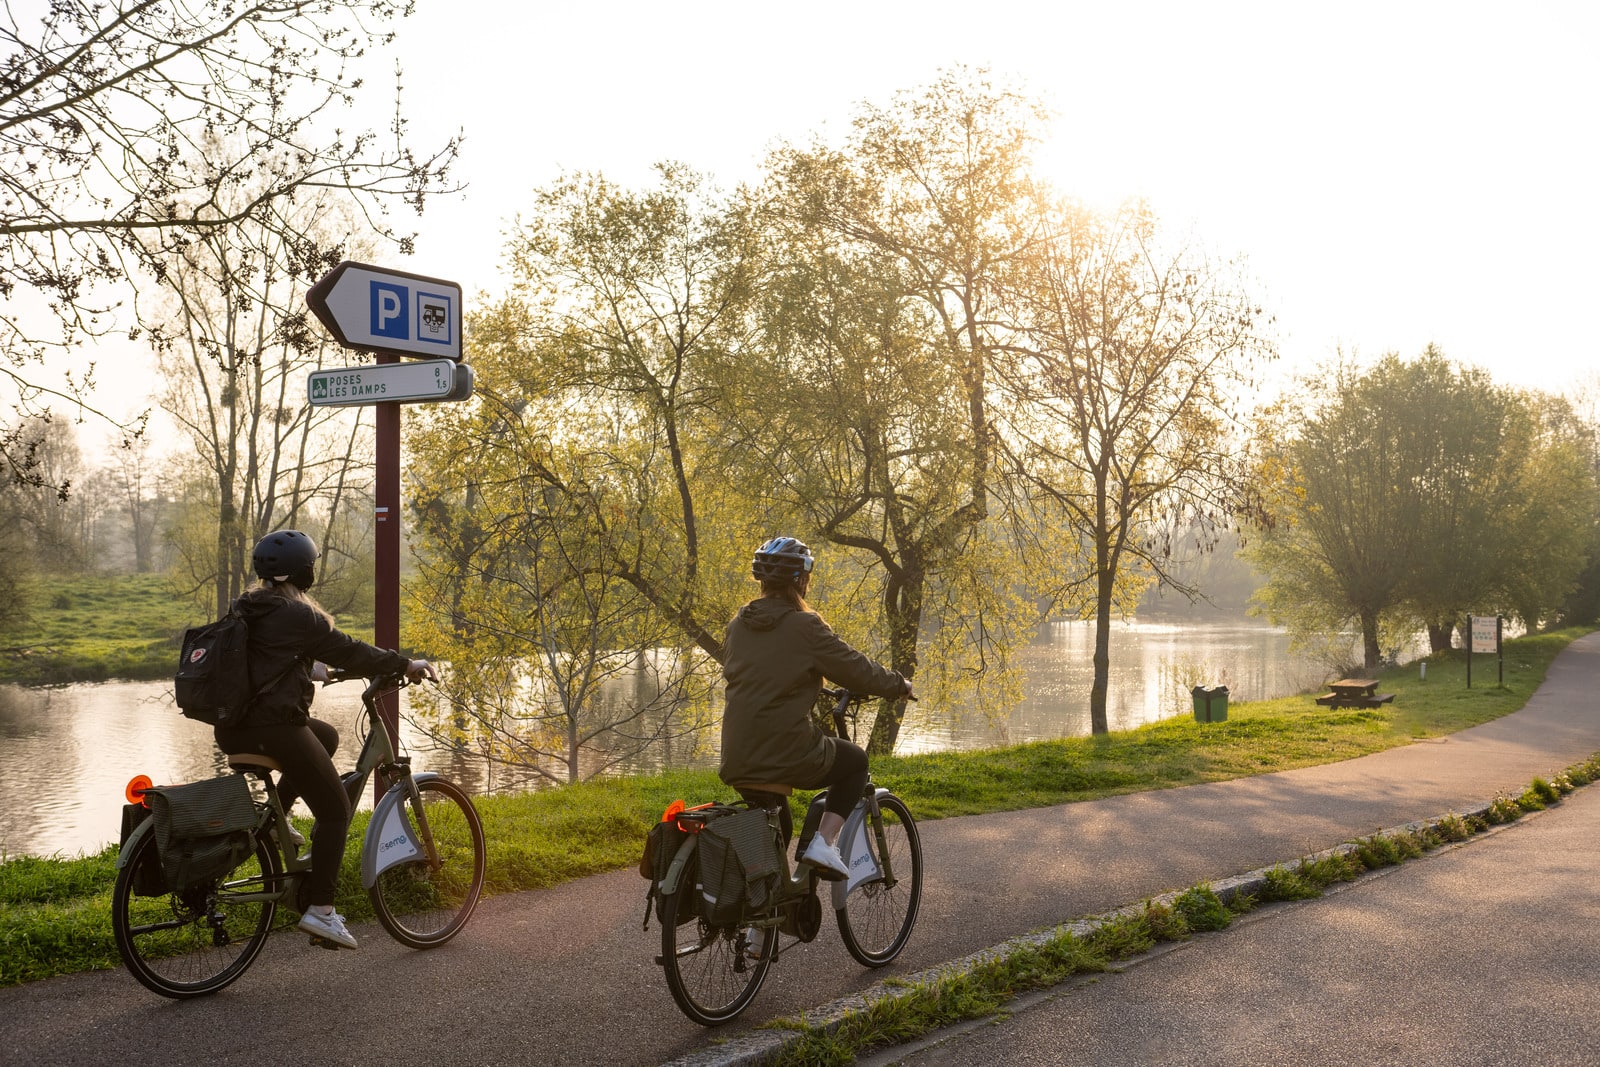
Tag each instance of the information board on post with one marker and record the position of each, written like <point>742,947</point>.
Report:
<point>1483,638</point>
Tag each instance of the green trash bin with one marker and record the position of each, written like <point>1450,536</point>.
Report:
<point>1210,705</point>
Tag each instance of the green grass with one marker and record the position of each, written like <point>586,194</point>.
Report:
<point>88,628</point>
<point>544,838</point>
<point>77,628</point>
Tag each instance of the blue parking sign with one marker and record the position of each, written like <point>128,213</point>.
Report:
<point>389,311</point>
<point>390,315</point>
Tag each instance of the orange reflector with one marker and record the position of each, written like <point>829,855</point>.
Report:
<point>136,787</point>
<point>672,810</point>
<point>693,826</point>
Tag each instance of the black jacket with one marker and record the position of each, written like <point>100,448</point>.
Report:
<point>286,637</point>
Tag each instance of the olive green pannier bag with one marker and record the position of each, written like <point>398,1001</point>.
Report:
<point>203,829</point>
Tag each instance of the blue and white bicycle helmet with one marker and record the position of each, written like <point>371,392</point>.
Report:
<point>782,559</point>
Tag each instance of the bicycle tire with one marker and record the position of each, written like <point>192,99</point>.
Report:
<point>711,975</point>
<point>196,942</point>
<point>422,907</point>
<point>875,922</point>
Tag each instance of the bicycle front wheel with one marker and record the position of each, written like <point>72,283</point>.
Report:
<point>877,917</point>
<point>197,941</point>
<point>422,905</point>
<point>713,971</point>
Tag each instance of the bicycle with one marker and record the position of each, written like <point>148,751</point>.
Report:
<point>716,965</point>
<point>422,863</point>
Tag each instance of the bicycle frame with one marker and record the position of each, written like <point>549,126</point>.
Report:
<point>388,841</point>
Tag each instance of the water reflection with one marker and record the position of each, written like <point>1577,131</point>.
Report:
<point>66,753</point>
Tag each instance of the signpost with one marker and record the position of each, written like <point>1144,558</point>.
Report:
<point>1483,635</point>
<point>389,311</point>
<point>394,314</point>
<point>432,379</point>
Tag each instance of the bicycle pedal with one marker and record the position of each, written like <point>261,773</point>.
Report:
<point>322,942</point>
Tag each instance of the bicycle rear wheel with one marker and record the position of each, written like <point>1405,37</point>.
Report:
<point>876,920</point>
<point>710,968</point>
<point>423,906</point>
<point>196,942</point>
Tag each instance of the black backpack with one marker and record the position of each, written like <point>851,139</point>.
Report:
<point>213,680</point>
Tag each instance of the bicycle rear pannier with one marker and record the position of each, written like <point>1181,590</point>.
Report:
<point>738,864</point>
<point>148,881</point>
<point>203,830</point>
<point>660,846</point>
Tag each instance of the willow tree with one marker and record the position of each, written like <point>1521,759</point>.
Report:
<point>1411,492</point>
<point>1122,379</point>
<point>931,197</point>
<point>558,666</point>
<point>599,381</point>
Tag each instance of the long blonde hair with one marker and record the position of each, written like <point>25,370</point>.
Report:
<point>794,591</point>
<point>289,591</point>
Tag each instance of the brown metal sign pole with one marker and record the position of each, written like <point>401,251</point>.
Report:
<point>386,545</point>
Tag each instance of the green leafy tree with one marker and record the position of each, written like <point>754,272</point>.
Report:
<point>1121,382</point>
<point>1416,492</point>
<point>577,517</point>
<point>558,667</point>
<point>916,221</point>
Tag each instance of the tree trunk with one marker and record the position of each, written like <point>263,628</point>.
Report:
<point>1372,654</point>
<point>1099,722</point>
<point>903,608</point>
<point>1439,635</point>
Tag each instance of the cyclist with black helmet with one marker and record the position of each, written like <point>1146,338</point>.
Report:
<point>292,640</point>
<point>778,651</point>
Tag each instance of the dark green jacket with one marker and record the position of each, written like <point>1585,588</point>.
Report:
<point>777,658</point>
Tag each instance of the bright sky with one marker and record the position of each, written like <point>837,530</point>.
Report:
<point>1396,173</point>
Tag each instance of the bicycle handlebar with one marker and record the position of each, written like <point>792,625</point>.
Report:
<point>842,699</point>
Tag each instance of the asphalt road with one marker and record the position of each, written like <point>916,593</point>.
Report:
<point>1484,953</point>
<point>566,976</point>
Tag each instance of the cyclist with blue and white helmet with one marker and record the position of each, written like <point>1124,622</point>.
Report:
<point>778,651</point>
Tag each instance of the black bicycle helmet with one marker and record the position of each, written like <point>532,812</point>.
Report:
<point>784,559</point>
<point>287,555</point>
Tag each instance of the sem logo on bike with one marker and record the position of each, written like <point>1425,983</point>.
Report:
<point>197,655</point>
<point>392,842</point>
<point>865,857</point>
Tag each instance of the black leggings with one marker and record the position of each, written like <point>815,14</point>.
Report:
<point>846,781</point>
<point>306,755</point>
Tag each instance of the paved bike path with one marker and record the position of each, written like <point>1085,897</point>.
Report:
<point>565,976</point>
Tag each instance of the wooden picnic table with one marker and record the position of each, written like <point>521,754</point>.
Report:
<point>1354,693</point>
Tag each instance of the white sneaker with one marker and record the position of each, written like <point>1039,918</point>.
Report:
<point>755,941</point>
<point>826,859</point>
<point>327,925</point>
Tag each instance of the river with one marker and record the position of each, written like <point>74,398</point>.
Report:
<point>67,752</point>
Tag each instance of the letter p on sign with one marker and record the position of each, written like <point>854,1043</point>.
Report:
<point>389,311</point>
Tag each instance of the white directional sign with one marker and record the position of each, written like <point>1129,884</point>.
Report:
<point>389,311</point>
<point>434,379</point>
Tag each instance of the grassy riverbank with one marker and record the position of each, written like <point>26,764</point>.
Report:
<point>54,914</point>
<point>88,628</point>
